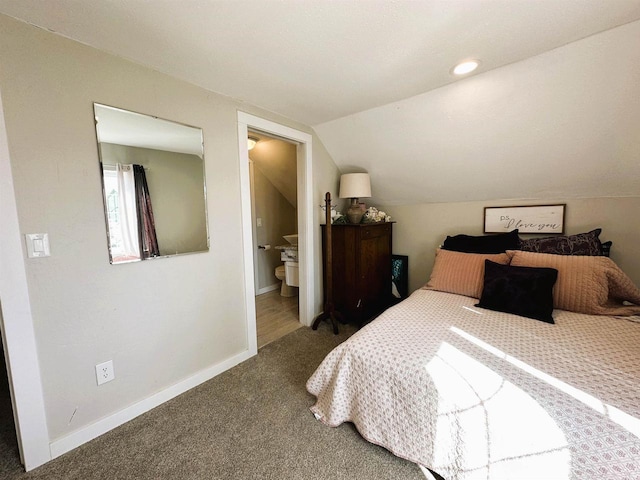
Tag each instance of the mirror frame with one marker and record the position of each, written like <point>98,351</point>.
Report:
<point>101,165</point>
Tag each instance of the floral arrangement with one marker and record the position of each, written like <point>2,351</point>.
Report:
<point>373,215</point>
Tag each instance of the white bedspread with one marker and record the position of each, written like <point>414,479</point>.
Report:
<point>475,394</point>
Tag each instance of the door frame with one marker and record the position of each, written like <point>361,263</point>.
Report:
<point>16,325</point>
<point>306,246</point>
<point>254,233</point>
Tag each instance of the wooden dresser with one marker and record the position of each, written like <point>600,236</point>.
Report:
<point>361,269</point>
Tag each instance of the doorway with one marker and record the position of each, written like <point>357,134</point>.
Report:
<point>306,240</point>
<point>273,180</point>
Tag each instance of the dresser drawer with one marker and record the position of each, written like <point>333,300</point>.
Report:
<point>375,230</point>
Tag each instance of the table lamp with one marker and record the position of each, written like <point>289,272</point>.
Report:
<point>355,186</point>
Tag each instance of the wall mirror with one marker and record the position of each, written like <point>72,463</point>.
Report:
<point>153,185</point>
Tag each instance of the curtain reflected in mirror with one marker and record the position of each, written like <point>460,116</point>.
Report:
<point>153,185</point>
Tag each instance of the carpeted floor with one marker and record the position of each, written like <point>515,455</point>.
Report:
<point>252,421</point>
<point>9,455</point>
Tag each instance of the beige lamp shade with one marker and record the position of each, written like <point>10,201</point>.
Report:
<point>355,185</point>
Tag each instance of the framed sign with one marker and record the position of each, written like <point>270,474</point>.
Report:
<point>527,219</point>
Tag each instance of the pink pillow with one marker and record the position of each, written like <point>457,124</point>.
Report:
<point>461,273</point>
<point>586,284</point>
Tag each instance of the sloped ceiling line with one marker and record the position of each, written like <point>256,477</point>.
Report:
<point>563,124</point>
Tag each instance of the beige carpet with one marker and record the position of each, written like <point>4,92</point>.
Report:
<point>252,421</point>
<point>9,456</point>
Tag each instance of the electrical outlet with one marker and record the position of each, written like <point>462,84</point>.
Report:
<point>104,372</point>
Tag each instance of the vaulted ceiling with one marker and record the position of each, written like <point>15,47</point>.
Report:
<point>552,111</point>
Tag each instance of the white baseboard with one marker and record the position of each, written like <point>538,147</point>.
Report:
<point>268,289</point>
<point>427,473</point>
<point>88,433</point>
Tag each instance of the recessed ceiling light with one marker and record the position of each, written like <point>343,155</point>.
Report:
<point>251,142</point>
<point>465,67</point>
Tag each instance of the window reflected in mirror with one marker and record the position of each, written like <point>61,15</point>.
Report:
<point>153,185</point>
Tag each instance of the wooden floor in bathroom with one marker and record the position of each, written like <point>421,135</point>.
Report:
<point>275,316</point>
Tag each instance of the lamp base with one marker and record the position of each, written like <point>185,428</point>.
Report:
<point>355,212</point>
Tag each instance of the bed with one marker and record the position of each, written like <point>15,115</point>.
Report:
<point>474,393</point>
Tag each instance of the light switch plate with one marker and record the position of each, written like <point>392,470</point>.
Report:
<point>37,245</point>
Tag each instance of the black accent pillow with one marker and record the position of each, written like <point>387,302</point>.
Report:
<point>498,243</point>
<point>587,243</point>
<point>524,291</point>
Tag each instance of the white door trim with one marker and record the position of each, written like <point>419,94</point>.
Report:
<point>254,233</point>
<point>16,323</point>
<point>305,217</point>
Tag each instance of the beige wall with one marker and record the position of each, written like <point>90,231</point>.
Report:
<point>421,228</point>
<point>176,188</point>
<point>278,218</point>
<point>159,321</point>
<point>277,161</point>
